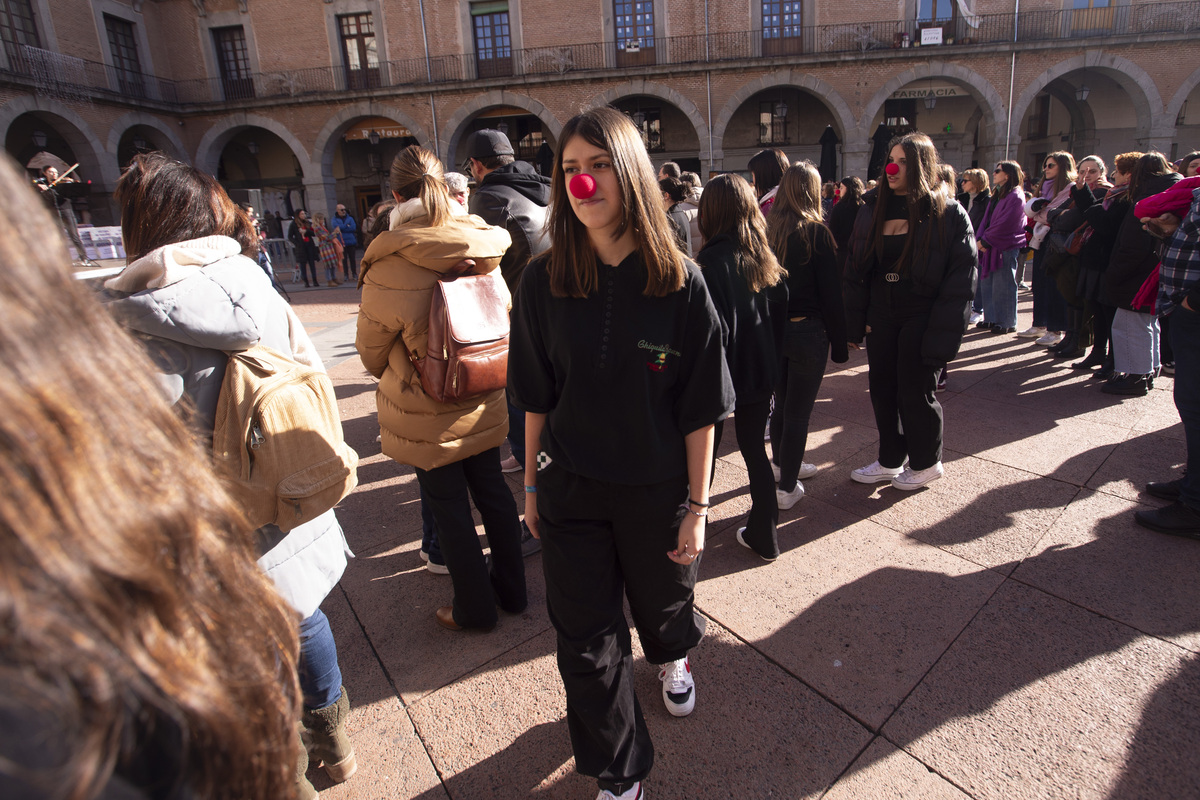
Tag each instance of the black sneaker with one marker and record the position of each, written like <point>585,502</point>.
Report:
<point>1167,490</point>
<point>1175,519</point>
<point>529,544</point>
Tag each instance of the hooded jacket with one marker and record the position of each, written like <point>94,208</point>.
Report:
<point>515,197</point>
<point>399,272</point>
<point>192,301</point>
<point>947,274</point>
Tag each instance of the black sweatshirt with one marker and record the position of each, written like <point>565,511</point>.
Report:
<point>622,377</point>
<point>815,285</point>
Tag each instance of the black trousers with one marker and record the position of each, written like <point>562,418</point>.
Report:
<point>599,541</point>
<point>349,261</point>
<point>476,592</point>
<point>907,412</point>
<point>749,420</point>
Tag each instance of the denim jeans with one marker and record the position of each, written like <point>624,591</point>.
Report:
<point>1185,343</point>
<point>1135,342</point>
<point>1049,307</point>
<point>1000,291</point>
<point>805,353</point>
<point>429,537</point>
<point>320,677</point>
<point>516,430</point>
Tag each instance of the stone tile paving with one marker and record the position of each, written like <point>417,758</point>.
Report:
<point>1006,632</point>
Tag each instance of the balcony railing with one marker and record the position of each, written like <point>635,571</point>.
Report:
<point>63,75</point>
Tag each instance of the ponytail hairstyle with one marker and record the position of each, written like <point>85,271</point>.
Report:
<point>1066,169</point>
<point>797,209</point>
<point>572,261</point>
<point>728,206</point>
<point>926,198</point>
<point>416,172</point>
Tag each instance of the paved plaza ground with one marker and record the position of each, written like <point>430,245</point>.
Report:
<point>1007,632</point>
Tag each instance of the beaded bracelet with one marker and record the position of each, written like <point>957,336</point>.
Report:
<point>701,514</point>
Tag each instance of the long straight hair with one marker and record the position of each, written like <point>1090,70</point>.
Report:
<point>926,197</point>
<point>797,208</point>
<point>573,265</point>
<point>138,630</point>
<point>1066,170</point>
<point>1016,178</point>
<point>1150,165</point>
<point>728,206</point>
<point>767,168</point>
<point>416,172</point>
<point>164,201</point>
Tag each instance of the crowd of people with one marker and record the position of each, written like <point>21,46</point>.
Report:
<point>206,646</point>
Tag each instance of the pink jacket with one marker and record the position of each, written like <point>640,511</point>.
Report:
<point>1176,200</point>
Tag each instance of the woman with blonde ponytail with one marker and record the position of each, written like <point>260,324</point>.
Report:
<point>453,446</point>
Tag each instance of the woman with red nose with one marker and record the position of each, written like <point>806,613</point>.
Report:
<point>617,361</point>
<point>909,281</point>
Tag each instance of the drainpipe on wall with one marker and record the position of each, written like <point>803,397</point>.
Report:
<point>425,39</point>
<point>708,80</point>
<point>437,148</point>
<point>1012,78</point>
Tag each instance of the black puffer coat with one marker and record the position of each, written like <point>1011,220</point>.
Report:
<point>1134,253</point>
<point>947,273</point>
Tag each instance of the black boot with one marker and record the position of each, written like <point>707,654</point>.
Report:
<point>1095,359</point>
<point>1068,347</point>
<point>1128,385</point>
<point>1107,369</point>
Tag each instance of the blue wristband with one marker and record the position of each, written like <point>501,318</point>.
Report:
<point>530,490</point>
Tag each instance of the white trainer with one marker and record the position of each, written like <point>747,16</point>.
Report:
<point>786,500</point>
<point>807,470</point>
<point>775,471</point>
<point>875,473</point>
<point>1050,339</point>
<point>678,690</point>
<point>1032,332</point>
<point>910,479</point>
<point>632,793</point>
<point>976,316</point>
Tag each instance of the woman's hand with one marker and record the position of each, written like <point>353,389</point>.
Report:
<point>690,543</point>
<point>531,514</point>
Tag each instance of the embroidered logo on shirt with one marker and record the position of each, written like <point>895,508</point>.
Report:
<point>661,352</point>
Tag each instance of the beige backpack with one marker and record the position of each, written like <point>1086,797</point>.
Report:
<point>277,440</point>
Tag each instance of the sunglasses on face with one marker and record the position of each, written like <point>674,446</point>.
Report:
<point>997,169</point>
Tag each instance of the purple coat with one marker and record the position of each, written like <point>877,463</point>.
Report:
<point>1003,228</point>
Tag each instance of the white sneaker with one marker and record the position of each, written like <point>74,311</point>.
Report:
<point>1050,339</point>
<point>976,316</point>
<point>742,541</point>
<point>807,470</point>
<point>909,479</point>
<point>437,569</point>
<point>511,464</point>
<point>679,690</point>
<point>1032,333</point>
<point>632,793</point>
<point>786,500</point>
<point>875,473</point>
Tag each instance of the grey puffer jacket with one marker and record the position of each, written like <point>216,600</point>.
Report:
<point>190,302</point>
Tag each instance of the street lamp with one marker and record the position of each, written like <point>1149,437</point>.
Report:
<point>252,146</point>
<point>502,127</point>
<point>781,109</point>
<point>1082,93</point>
<point>930,100</point>
<point>39,139</point>
<point>139,144</point>
<point>373,137</point>
<point>639,119</point>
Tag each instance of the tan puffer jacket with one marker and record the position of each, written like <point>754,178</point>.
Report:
<point>399,272</point>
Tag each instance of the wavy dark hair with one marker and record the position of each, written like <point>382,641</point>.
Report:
<point>926,197</point>
<point>728,206</point>
<point>797,209</point>
<point>1016,179</point>
<point>572,264</point>
<point>165,201</point>
<point>141,643</point>
<point>1150,165</point>
<point>853,189</point>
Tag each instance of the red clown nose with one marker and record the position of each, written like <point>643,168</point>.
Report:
<point>583,186</point>
<point>892,169</point>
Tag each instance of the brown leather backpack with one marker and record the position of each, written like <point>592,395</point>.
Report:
<point>467,353</point>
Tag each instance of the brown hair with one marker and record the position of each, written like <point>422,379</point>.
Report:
<point>926,199</point>
<point>572,260</point>
<point>797,208</point>
<point>1150,165</point>
<point>853,190</point>
<point>728,206</point>
<point>139,638</point>
<point>416,172</point>
<point>164,201</point>
<point>978,177</point>
<point>1125,162</point>
<point>767,167</point>
<point>1066,169</point>
<point>1016,178</point>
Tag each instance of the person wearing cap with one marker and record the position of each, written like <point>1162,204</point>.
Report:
<point>510,194</point>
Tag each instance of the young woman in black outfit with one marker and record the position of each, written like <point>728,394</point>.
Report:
<point>908,286</point>
<point>617,361</point>
<point>747,288</point>
<point>816,322</point>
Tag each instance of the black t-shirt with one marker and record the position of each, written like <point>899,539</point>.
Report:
<point>622,377</point>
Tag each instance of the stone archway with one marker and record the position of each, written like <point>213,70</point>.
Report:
<point>793,79</point>
<point>1154,126</point>
<point>452,131</point>
<point>1181,95</point>
<point>640,86</point>
<point>208,153</point>
<point>993,119</point>
<point>133,118</point>
<point>103,172</point>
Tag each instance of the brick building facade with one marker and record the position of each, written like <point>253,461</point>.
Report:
<point>306,101</point>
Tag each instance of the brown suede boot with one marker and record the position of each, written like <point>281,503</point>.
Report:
<point>304,789</point>
<point>328,744</point>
